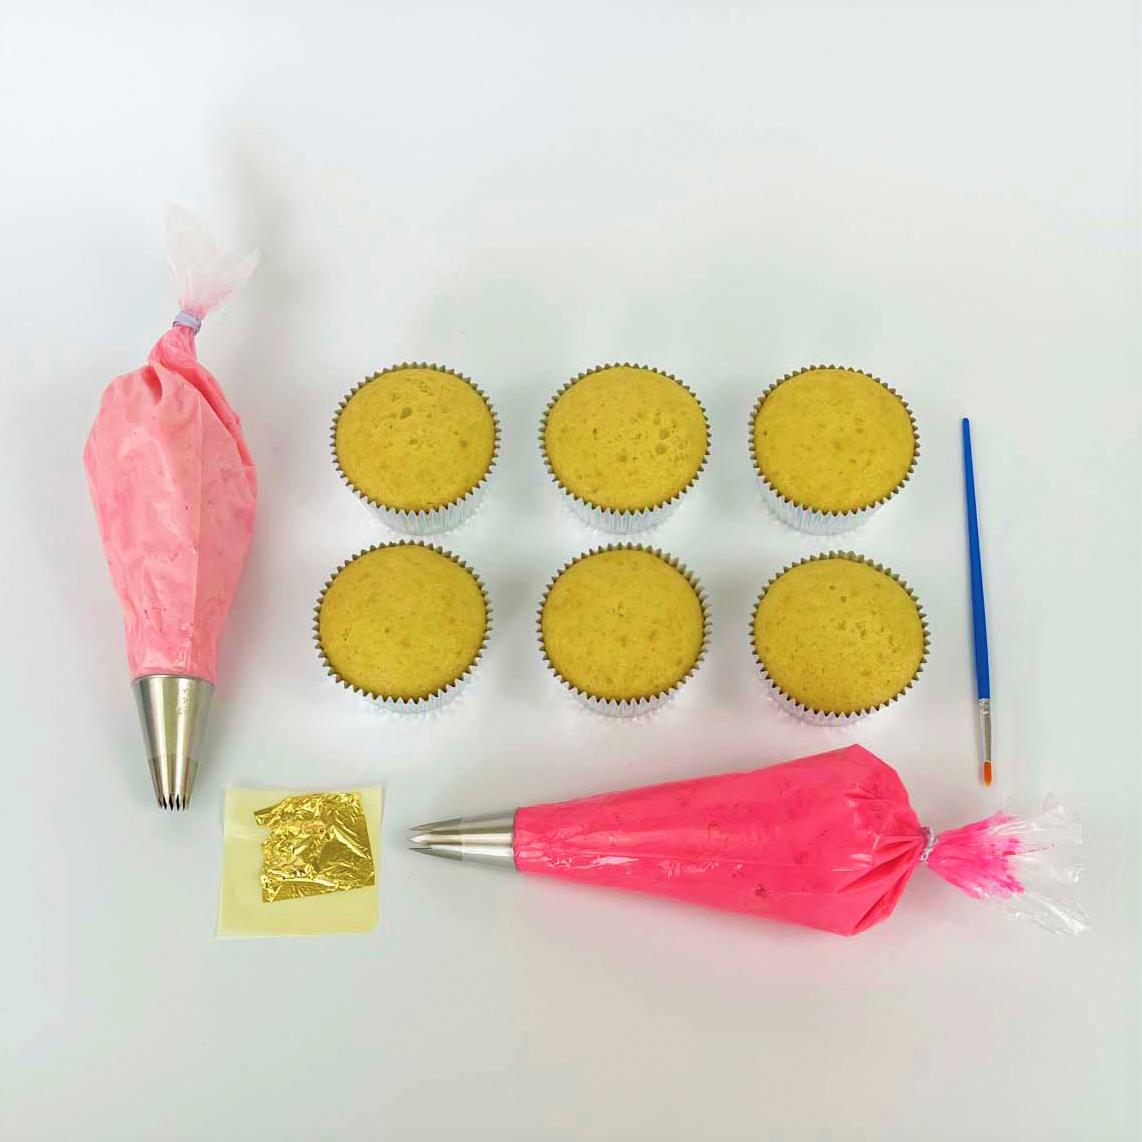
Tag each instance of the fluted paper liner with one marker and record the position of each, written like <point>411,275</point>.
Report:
<point>620,521</point>
<point>438,697</point>
<point>430,521</point>
<point>803,517</point>
<point>808,713</point>
<point>628,707</point>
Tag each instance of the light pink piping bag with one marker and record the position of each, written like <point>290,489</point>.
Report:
<point>827,842</point>
<point>175,492</point>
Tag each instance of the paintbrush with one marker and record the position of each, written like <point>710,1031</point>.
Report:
<point>978,611</point>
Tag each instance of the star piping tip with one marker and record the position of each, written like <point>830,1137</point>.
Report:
<point>987,772</point>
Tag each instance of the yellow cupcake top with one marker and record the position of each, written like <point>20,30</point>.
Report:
<point>839,636</point>
<point>415,438</point>
<point>625,437</point>
<point>833,440</point>
<point>402,621</point>
<point>622,624</point>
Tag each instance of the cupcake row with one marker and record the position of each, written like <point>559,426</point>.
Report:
<point>623,444</point>
<point>622,628</point>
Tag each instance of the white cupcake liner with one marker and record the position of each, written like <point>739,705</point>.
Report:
<point>801,516</point>
<point>433,520</point>
<point>807,713</point>
<point>628,708</point>
<point>619,521</point>
<point>381,702</point>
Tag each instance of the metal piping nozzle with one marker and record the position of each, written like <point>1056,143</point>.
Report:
<point>477,840</point>
<point>172,714</point>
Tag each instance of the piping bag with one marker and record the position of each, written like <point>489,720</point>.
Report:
<point>828,842</point>
<point>175,491</point>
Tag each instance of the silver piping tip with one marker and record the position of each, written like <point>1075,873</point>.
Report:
<point>476,840</point>
<point>172,714</point>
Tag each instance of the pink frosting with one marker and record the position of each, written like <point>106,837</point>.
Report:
<point>175,492</point>
<point>827,841</point>
<point>977,858</point>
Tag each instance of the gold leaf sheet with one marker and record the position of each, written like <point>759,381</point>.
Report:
<point>242,909</point>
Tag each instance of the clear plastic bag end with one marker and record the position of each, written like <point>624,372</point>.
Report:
<point>1026,865</point>
<point>204,276</point>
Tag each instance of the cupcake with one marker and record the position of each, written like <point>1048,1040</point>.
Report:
<point>402,624</point>
<point>837,636</point>
<point>623,443</point>
<point>623,627</point>
<point>830,446</point>
<point>416,444</point>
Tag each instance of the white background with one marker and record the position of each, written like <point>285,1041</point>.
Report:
<point>943,194</point>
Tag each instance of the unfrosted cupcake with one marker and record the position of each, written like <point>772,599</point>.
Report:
<point>624,443</point>
<point>830,446</point>
<point>403,624</point>
<point>623,628</point>
<point>837,636</point>
<point>416,443</point>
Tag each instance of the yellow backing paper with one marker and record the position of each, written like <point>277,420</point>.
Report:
<point>241,910</point>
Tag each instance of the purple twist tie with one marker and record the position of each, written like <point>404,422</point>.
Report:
<point>185,317</point>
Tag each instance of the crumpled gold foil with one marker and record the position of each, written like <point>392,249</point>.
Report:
<point>318,842</point>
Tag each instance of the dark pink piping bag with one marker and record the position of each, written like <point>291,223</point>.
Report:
<point>828,842</point>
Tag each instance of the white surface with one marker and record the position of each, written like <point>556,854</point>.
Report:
<point>942,194</point>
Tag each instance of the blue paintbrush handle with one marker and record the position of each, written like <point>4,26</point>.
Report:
<point>978,613</point>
